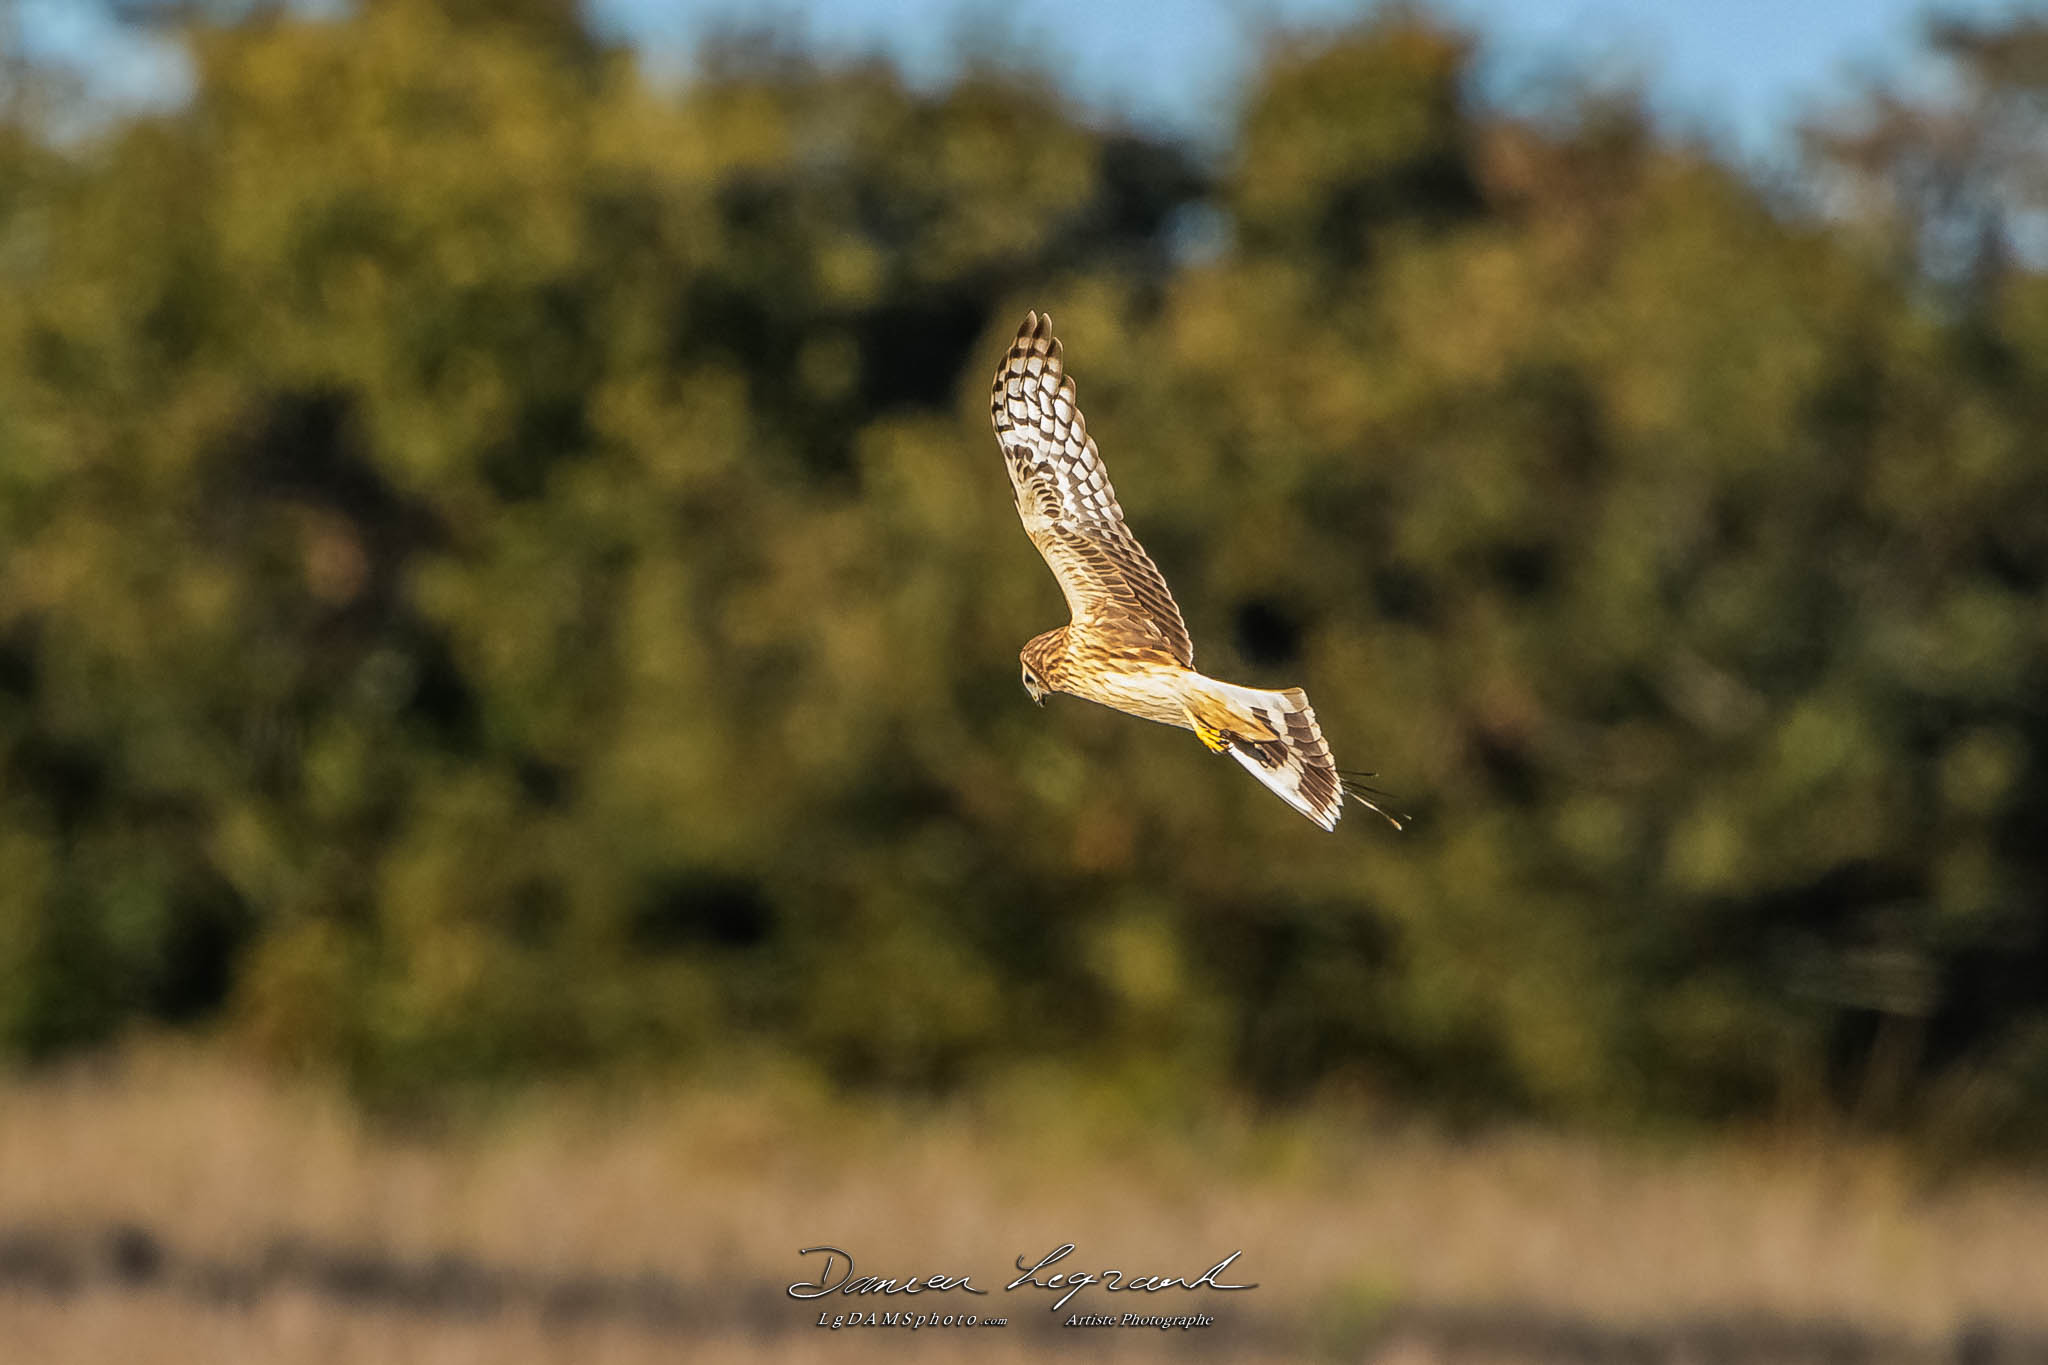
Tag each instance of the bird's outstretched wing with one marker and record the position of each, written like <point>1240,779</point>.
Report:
<point>1065,501</point>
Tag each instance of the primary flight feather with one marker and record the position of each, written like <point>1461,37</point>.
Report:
<point>1126,646</point>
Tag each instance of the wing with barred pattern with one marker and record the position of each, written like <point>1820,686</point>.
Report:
<point>1067,505</point>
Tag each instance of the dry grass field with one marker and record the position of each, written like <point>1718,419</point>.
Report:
<point>172,1207</point>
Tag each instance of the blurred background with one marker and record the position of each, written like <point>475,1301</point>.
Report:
<point>513,772</point>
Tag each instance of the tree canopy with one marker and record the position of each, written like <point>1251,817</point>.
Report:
<point>506,570</point>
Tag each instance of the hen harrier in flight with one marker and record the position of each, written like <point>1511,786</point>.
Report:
<point>1127,646</point>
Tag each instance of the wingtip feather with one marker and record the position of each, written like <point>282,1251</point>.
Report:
<point>1365,796</point>
<point>1035,336</point>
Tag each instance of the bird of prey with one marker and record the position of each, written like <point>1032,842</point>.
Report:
<point>1126,646</point>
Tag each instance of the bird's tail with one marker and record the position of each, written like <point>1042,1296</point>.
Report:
<point>1275,736</point>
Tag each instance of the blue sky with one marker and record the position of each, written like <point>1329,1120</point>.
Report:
<point>1743,71</point>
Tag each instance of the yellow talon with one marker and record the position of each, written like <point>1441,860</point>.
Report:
<point>1213,738</point>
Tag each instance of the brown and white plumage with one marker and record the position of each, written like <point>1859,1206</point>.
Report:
<point>1127,646</point>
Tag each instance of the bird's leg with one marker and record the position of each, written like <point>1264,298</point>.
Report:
<point>1217,741</point>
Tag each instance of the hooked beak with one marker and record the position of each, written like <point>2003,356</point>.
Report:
<point>1036,694</point>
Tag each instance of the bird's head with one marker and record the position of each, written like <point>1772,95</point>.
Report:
<point>1041,659</point>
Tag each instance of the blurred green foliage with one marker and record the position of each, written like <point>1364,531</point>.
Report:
<point>506,570</point>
